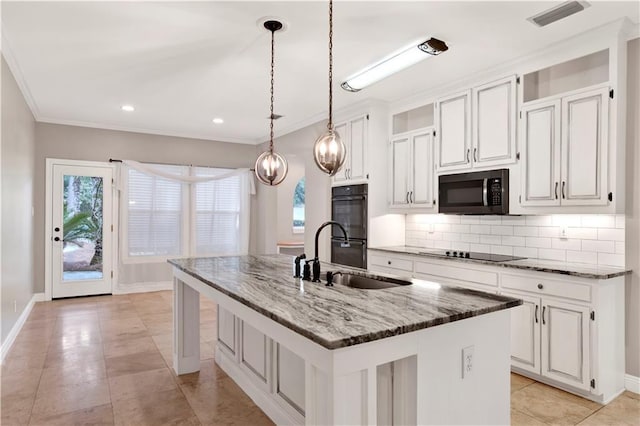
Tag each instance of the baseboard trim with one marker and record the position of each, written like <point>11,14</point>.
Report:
<point>15,330</point>
<point>632,383</point>
<point>143,287</point>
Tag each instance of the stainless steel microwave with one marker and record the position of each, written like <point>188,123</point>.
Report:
<point>484,192</point>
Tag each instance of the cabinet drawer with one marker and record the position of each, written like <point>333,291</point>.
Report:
<point>391,262</point>
<point>452,273</point>
<point>546,287</point>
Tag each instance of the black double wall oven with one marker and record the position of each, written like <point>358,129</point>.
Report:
<point>349,208</point>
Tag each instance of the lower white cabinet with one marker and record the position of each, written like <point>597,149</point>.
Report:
<point>525,333</point>
<point>289,386</point>
<point>256,351</point>
<point>227,330</point>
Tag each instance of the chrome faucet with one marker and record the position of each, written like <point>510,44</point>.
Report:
<point>316,260</point>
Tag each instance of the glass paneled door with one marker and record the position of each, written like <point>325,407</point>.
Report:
<point>81,234</point>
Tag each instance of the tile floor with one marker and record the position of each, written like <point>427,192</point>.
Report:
<point>106,360</point>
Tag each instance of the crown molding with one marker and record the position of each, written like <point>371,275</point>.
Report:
<point>12,63</point>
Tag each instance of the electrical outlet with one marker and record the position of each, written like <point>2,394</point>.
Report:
<point>430,228</point>
<point>15,306</point>
<point>564,232</point>
<point>467,361</point>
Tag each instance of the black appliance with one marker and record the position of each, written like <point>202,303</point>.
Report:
<point>477,255</point>
<point>474,193</point>
<point>349,208</point>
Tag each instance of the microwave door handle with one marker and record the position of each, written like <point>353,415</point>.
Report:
<point>485,201</point>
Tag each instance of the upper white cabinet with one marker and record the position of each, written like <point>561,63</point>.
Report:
<point>354,134</point>
<point>564,150</point>
<point>412,174</point>
<point>494,123</point>
<point>453,131</point>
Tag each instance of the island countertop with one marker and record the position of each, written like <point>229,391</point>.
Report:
<point>338,316</point>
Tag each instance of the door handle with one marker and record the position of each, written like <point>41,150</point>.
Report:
<point>411,197</point>
<point>536,314</point>
<point>407,197</point>
<point>485,198</point>
<point>544,308</point>
<point>475,151</point>
<point>468,152</point>
<point>556,190</point>
<point>563,185</point>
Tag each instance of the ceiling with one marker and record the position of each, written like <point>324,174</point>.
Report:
<point>183,63</point>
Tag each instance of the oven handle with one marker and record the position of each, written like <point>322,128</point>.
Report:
<point>485,201</point>
<point>350,198</point>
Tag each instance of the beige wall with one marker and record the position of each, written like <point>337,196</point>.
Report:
<point>82,143</point>
<point>285,200</point>
<point>17,178</point>
<point>632,237</point>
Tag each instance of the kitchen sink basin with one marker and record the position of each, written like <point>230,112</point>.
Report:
<point>368,283</point>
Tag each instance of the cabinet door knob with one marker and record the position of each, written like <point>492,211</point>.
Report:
<point>540,286</point>
<point>388,262</point>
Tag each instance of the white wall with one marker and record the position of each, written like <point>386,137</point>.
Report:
<point>16,153</point>
<point>82,143</point>
<point>633,210</point>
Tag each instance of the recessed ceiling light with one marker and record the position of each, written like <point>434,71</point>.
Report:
<point>218,120</point>
<point>127,108</point>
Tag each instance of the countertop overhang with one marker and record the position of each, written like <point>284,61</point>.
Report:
<point>338,316</point>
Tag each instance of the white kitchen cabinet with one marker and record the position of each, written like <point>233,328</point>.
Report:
<point>565,150</point>
<point>227,330</point>
<point>525,333</point>
<point>354,134</point>
<point>256,352</point>
<point>565,343</point>
<point>453,131</point>
<point>412,174</point>
<point>540,162</point>
<point>494,123</point>
<point>585,147</point>
<point>290,383</point>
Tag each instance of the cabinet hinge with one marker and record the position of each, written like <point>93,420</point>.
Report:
<point>520,114</point>
<point>593,315</point>
<point>520,199</point>
<point>610,196</point>
<point>434,133</point>
<point>111,274</point>
<point>111,228</point>
<point>367,116</point>
<point>367,175</point>
<point>593,383</point>
<point>518,80</point>
<point>517,155</point>
<point>611,93</point>
<point>434,202</point>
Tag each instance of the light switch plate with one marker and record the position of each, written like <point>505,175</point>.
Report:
<point>467,361</point>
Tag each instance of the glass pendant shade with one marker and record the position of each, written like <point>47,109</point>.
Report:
<point>271,168</point>
<point>329,152</point>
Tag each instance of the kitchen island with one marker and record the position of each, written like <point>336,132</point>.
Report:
<point>307,353</point>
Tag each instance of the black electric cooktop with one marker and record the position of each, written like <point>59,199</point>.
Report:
<point>480,256</point>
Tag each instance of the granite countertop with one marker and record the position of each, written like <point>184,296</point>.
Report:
<point>337,316</point>
<point>582,270</point>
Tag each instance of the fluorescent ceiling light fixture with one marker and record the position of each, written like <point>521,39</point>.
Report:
<point>218,120</point>
<point>127,108</point>
<point>394,63</point>
<point>557,13</point>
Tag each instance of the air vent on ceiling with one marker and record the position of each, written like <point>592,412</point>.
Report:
<point>275,116</point>
<point>556,13</point>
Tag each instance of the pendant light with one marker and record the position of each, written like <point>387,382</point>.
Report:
<point>329,151</point>
<point>271,168</point>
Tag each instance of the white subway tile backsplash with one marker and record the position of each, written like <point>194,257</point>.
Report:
<point>611,234</point>
<point>526,231</point>
<point>502,230</point>
<point>610,259</point>
<point>566,244</point>
<point>552,254</point>
<point>583,233</point>
<point>599,246</point>
<point>491,239</point>
<point>528,252</point>
<point>512,241</point>
<point>582,257</point>
<point>593,239</point>
<point>479,229</point>
<point>538,242</point>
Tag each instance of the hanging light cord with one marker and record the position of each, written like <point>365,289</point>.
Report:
<point>330,123</point>
<point>271,107</point>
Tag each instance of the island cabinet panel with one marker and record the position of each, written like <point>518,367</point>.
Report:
<point>565,343</point>
<point>525,333</point>
<point>227,330</point>
<point>256,352</point>
<point>290,378</point>
<point>494,117</point>
<point>453,131</point>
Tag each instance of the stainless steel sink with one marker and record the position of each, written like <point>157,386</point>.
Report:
<point>368,283</point>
